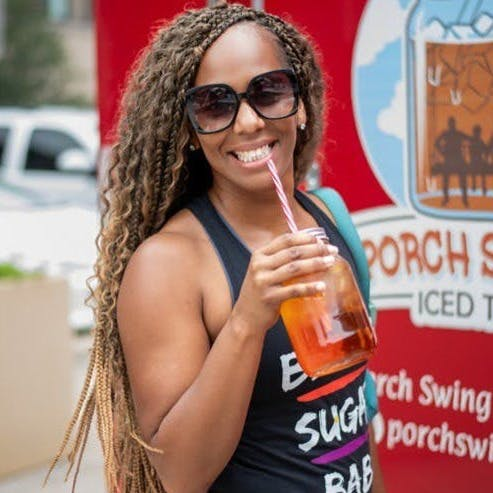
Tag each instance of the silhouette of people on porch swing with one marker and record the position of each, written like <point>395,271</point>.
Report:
<point>451,144</point>
<point>478,153</point>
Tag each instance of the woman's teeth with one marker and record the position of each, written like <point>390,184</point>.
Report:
<point>253,155</point>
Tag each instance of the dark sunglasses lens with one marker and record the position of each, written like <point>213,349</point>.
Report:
<point>212,108</point>
<point>273,94</point>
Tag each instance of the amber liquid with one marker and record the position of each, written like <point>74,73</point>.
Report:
<point>330,331</point>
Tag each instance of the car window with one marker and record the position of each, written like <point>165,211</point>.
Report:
<point>45,146</point>
<point>4,132</point>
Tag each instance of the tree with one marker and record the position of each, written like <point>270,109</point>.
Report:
<point>34,68</point>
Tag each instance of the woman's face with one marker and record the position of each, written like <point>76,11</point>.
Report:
<point>238,154</point>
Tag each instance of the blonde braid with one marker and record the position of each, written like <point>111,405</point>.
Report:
<point>84,434</point>
<point>81,408</point>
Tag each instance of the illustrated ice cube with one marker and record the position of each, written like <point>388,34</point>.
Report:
<point>488,55</point>
<point>450,58</point>
<point>472,101</point>
<point>483,24</point>
<point>434,30</point>
<point>479,78</point>
<point>464,31</point>
<point>451,35</point>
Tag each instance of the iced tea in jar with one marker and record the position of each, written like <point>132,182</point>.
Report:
<point>449,60</point>
<point>329,331</point>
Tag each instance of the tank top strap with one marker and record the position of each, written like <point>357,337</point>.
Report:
<point>231,251</point>
<point>314,210</point>
<point>234,254</point>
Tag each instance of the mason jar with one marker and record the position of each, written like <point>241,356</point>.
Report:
<point>329,331</point>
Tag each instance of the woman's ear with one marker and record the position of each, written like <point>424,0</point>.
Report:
<point>194,141</point>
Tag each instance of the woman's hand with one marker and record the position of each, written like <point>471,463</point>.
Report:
<point>287,257</point>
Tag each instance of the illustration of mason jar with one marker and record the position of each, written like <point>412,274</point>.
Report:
<point>449,76</point>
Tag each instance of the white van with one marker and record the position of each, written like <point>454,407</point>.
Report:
<point>48,196</point>
<point>49,154</point>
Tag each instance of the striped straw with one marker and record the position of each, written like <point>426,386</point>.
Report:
<point>288,213</point>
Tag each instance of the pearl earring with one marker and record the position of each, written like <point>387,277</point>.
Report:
<point>302,127</point>
<point>192,147</point>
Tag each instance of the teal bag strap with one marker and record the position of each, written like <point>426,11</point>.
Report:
<point>371,398</point>
<point>345,226</point>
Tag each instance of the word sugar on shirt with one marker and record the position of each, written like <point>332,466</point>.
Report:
<point>339,425</point>
<point>343,421</point>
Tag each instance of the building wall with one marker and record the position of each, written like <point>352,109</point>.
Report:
<point>78,39</point>
<point>74,21</point>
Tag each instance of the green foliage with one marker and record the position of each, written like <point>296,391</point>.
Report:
<point>34,68</point>
<point>10,271</point>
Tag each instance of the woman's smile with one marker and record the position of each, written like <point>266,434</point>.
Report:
<point>254,155</point>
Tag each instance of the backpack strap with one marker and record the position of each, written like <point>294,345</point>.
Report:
<point>345,225</point>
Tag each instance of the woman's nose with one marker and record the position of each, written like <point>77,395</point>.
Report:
<point>247,120</point>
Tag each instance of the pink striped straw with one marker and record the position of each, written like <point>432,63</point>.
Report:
<point>288,213</point>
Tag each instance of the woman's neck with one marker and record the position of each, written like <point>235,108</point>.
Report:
<point>258,208</point>
<point>257,217</point>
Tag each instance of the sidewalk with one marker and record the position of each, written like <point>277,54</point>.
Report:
<point>90,479</point>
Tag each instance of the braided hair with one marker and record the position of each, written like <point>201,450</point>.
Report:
<point>150,178</point>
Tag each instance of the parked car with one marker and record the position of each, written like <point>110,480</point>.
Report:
<point>48,208</point>
<point>49,153</point>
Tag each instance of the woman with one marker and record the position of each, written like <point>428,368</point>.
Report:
<point>195,384</point>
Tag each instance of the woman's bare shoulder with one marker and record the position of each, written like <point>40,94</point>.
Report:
<point>164,267</point>
<point>173,249</point>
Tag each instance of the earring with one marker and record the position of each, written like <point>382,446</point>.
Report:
<point>192,147</point>
<point>302,127</point>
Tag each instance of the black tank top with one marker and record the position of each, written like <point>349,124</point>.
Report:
<point>301,435</point>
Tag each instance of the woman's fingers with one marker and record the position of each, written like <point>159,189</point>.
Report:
<point>300,268</point>
<point>300,252</point>
<point>288,240</point>
<point>291,264</point>
<point>277,295</point>
<point>297,269</point>
<point>290,247</point>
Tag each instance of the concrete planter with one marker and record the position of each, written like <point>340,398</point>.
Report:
<point>35,371</point>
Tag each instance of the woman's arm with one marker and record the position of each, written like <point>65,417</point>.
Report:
<point>378,482</point>
<point>192,398</point>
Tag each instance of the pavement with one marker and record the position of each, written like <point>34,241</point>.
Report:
<point>90,479</point>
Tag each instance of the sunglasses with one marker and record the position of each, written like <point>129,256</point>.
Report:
<point>213,107</point>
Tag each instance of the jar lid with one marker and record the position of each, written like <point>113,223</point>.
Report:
<point>317,232</point>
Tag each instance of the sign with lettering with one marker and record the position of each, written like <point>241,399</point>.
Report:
<point>423,112</point>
